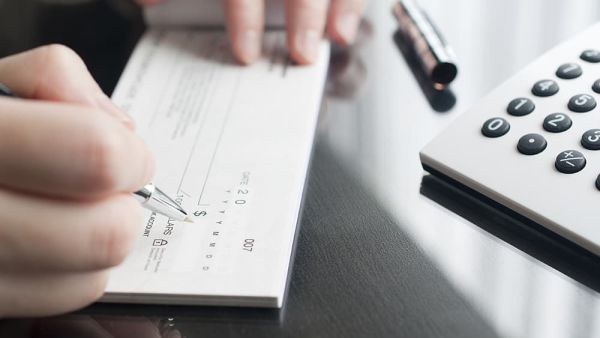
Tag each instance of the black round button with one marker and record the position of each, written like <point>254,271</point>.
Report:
<point>557,122</point>
<point>582,103</point>
<point>596,86</point>
<point>520,106</point>
<point>531,144</point>
<point>591,55</point>
<point>495,127</point>
<point>545,88</point>
<point>591,139</point>
<point>598,183</point>
<point>570,162</point>
<point>569,71</point>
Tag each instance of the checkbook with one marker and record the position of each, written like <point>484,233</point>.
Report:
<point>233,145</point>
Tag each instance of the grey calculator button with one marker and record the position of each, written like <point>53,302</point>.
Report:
<point>582,103</point>
<point>532,144</point>
<point>495,127</point>
<point>520,106</point>
<point>591,139</point>
<point>545,88</point>
<point>591,55</point>
<point>569,71</point>
<point>596,86</point>
<point>570,162</point>
<point>557,122</point>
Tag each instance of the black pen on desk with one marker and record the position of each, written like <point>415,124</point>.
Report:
<point>431,48</point>
<point>149,196</point>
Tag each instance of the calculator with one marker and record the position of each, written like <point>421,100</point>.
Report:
<point>533,144</point>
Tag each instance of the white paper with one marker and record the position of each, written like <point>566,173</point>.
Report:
<point>232,144</point>
<point>205,13</point>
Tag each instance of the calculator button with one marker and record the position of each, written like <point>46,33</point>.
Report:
<point>531,144</point>
<point>591,139</point>
<point>495,127</point>
<point>570,162</point>
<point>557,123</point>
<point>596,86</point>
<point>545,88</point>
<point>569,71</point>
<point>582,103</point>
<point>520,107</point>
<point>598,183</point>
<point>591,55</point>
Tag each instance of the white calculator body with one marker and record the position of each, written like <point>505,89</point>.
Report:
<point>533,144</point>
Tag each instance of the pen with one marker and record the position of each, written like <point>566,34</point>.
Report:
<point>154,199</point>
<point>434,54</point>
<point>149,196</point>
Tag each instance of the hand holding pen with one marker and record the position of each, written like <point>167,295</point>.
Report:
<point>69,162</point>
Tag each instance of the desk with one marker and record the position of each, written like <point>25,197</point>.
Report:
<point>380,253</point>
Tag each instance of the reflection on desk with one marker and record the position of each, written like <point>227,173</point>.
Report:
<point>516,230</point>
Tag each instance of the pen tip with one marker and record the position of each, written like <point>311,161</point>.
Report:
<point>188,220</point>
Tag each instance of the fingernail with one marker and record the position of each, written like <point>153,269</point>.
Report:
<point>106,104</point>
<point>307,44</point>
<point>347,27</point>
<point>248,45</point>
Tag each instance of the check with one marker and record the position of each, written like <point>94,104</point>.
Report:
<point>233,145</point>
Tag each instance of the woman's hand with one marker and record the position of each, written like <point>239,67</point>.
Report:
<point>306,21</point>
<point>69,160</point>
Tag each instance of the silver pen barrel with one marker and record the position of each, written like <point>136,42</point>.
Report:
<point>434,54</point>
<point>154,199</point>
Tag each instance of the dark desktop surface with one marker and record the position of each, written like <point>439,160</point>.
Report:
<point>384,249</point>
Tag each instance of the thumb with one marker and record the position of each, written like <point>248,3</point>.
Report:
<point>56,73</point>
